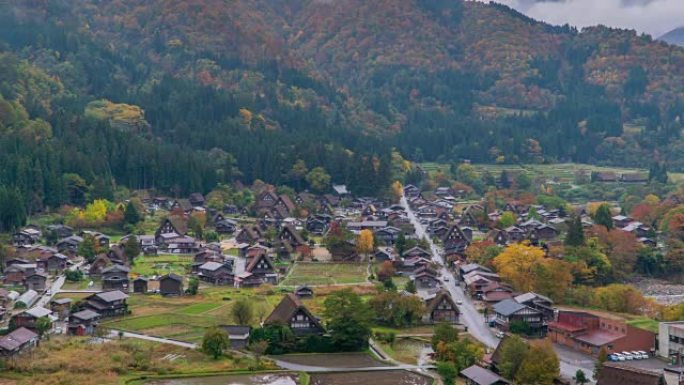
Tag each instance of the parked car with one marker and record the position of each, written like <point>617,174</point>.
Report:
<point>618,357</point>
<point>499,334</point>
<point>639,355</point>
<point>628,356</point>
<point>644,354</point>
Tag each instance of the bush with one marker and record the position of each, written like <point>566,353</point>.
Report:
<point>74,275</point>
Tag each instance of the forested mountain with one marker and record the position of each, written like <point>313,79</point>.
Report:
<point>676,36</point>
<point>183,94</point>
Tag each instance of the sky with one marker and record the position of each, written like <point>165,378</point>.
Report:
<point>655,17</point>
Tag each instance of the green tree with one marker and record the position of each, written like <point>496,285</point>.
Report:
<point>598,365</point>
<point>400,245</point>
<point>131,214</point>
<point>196,227</point>
<point>88,248</point>
<point>513,352</point>
<point>193,285</point>
<point>348,320</point>
<point>580,378</point>
<point>215,341</point>
<point>411,286</point>
<point>242,311</point>
<point>604,217</point>
<point>448,371</point>
<point>132,248</point>
<point>445,333</point>
<point>259,348</point>
<point>43,325</point>
<point>318,179</point>
<point>575,234</point>
<point>507,219</point>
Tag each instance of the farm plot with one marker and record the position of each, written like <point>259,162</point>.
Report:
<point>322,274</point>
<point>162,264</point>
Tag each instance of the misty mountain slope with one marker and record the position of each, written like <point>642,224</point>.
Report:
<point>676,37</point>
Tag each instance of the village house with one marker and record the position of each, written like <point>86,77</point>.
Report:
<point>53,263</point>
<point>140,285</point>
<point>225,226</point>
<point>383,254</point>
<point>537,302</point>
<point>387,235</point>
<point>440,307</point>
<point>16,273</point>
<point>238,335</point>
<point>69,244</point>
<point>425,278</point>
<point>171,285</point>
<point>589,333</point>
<point>108,303</point>
<point>510,312</point>
<point>304,291</point>
<point>182,205</point>
<point>61,307</point>
<point>196,199</point>
<point>28,318</point>
<point>115,277</point>
<point>291,235</point>
<point>17,341</point>
<point>416,252</point>
<point>60,231</point>
<point>613,373</point>
<point>477,375</point>
<point>470,267</point>
<point>291,312</point>
<point>495,292</point>
<point>262,267</point>
<point>217,273</point>
<point>27,236</point>
<point>83,323</point>
<point>249,235</point>
<point>36,281</point>
<point>26,299</point>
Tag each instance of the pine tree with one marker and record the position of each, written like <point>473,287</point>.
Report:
<point>131,214</point>
<point>575,235</point>
<point>604,217</point>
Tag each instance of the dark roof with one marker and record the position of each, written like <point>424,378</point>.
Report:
<point>255,260</point>
<point>482,376</point>
<point>508,307</point>
<point>437,299</point>
<point>173,276</point>
<point>289,205</point>
<point>616,374</point>
<point>237,330</point>
<point>86,315</point>
<point>286,309</point>
<point>117,268</point>
<point>16,339</point>
<point>111,296</point>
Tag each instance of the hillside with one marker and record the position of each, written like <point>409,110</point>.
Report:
<point>245,89</point>
<point>676,37</point>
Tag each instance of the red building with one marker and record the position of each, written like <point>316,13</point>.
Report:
<point>588,333</point>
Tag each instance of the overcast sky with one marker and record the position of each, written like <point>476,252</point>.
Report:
<point>655,17</point>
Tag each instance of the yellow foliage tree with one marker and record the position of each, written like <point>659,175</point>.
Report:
<point>397,191</point>
<point>246,116</point>
<point>527,269</point>
<point>364,242</point>
<point>651,199</point>
<point>96,211</point>
<point>540,365</point>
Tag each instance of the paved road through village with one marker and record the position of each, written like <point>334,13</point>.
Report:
<point>570,361</point>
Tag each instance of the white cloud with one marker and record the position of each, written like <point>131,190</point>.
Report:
<point>655,17</point>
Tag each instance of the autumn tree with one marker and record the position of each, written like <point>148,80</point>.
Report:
<point>364,242</point>
<point>397,191</point>
<point>622,249</point>
<point>620,298</point>
<point>527,269</point>
<point>393,309</point>
<point>444,332</point>
<point>540,365</point>
<point>513,351</point>
<point>603,216</point>
<point>482,252</point>
<point>598,365</point>
<point>386,271</point>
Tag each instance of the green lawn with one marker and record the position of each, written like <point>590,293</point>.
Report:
<point>162,264</point>
<point>644,323</point>
<point>199,308</point>
<point>319,274</point>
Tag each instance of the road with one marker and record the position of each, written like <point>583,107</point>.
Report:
<point>321,369</point>
<point>56,286</point>
<point>570,361</point>
<point>115,334</point>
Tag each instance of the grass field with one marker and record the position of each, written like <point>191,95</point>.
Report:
<point>187,318</point>
<point>321,274</point>
<point>405,350</point>
<point>162,264</point>
<point>644,323</point>
<point>561,171</point>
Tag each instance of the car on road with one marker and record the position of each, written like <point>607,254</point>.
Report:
<point>459,302</point>
<point>639,355</point>
<point>644,354</point>
<point>628,356</point>
<point>499,334</point>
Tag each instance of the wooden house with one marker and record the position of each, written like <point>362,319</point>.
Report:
<point>108,303</point>
<point>291,312</point>
<point>171,285</point>
<point>83,323</point>
<point>262,266</point>
<point>509,311</point>
<point>477,375</point>
<point>17,341</point>
<point>140,285</point>
<point>115,277</point>
<point>36,281</point>
<point>440,308</point>
<point>217,273</point>
<point>304,291</point>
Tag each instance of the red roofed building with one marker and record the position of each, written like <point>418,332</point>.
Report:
<point>588,333</point>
